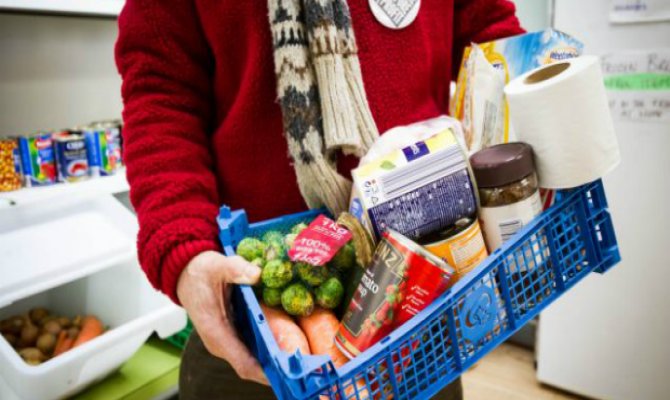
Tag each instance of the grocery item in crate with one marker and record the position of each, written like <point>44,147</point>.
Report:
<point>461,245</point>
<point>10,165</point>
<point>484,106</point>
<point>71,157</point>
<point>319,242</point>
<point>513,56</point>
<point>39,336</point>
<point>402,279</point>
<point>406,135</point>
<point>38,162</point>
<point>508,190</point>
<point>562,111</point>
<point>300,286</point>
<point>416,190</point>
<point>103,146</point>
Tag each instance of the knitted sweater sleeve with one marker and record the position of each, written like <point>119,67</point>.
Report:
<point>479,21</point>
<point>166,67</point>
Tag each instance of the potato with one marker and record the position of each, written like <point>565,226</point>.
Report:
<point>13,325</point>
<point>64,322</point>
<point>52,327</point>
<point>46,319</point>
<point>38,314</point>
<point>28,336</point>
<point>32,355</point>
<point>46,343</point>
<point>11,339</point>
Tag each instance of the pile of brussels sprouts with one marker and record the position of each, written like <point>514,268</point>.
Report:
<point>296,286</point>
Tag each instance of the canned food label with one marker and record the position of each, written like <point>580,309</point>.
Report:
<point>501,223</point>
<point>71,158</point>
<point>17,161</point>
<point>37,159</point>
<point>319,242</point>
<point>370,314</point>
<point>464,251</point>
<point>417,190</point>
<point>400,282</point>
<point>103,146</point>
<point>424,283</point>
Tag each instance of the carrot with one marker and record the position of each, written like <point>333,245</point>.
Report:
<point>288,335</point>
<point>320,328</point>
<point>91,327</point>
<point>63,343</point>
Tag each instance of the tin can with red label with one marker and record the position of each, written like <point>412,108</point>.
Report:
<point>402,279</point>
<point>461,246</point>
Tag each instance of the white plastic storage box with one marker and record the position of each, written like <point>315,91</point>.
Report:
<point>123,300</point>
<point>77,258</point>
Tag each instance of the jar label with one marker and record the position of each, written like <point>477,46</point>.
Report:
<point>501,223</point>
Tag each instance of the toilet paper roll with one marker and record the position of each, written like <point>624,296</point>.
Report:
<point>562,111</point>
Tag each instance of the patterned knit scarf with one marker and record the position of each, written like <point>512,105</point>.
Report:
<point>321,93</point>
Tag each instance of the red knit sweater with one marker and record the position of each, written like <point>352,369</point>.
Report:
<point>202,127</point>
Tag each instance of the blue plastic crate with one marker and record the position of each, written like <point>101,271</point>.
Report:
<point>567,242</point>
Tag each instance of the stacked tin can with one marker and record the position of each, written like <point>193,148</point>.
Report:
<point>67,155</point>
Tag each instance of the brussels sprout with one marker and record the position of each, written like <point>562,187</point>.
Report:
<point>250,248</point>
<point>272,236</point>
<point>272,296</point>
<point>289,240</point>
<point>329,294</point>
<point>277,274</point>
<point>345,258</point>
<point>310,274</point>
<point>297,228</point>
<point>259,262</point>
<point>297,300</point>
<point>275,247</point>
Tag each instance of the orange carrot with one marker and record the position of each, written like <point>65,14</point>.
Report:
<point>320,329</point>
<point>63,343</point>
<point>91,327</point>
<point>288,335</point>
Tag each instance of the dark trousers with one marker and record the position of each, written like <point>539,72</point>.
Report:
<point>205,377</point>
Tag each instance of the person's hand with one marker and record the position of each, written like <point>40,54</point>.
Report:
<point>204,290</point>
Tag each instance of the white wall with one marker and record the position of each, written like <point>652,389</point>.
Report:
<point>534,15</point>
<point>56,72</point>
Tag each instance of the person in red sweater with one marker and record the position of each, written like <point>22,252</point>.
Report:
<point>202,128</point>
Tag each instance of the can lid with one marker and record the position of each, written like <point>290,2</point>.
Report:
<point>420,250</point>
<point>502,164</point>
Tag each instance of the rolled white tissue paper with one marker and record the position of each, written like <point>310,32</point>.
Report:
<point>562,111</point>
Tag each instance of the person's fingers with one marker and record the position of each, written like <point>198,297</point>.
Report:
<point>220,339</point>
<point>238,270</point>
<point>212,321</point>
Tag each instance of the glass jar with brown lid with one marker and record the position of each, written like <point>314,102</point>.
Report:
<point>508,190</point>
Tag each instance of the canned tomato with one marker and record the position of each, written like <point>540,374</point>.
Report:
<point>402,279</point>
<point>71,157</point>
<point>462,245</point>
<point>10,166</point>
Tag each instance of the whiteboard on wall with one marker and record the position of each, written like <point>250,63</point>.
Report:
<point>608,338</point>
